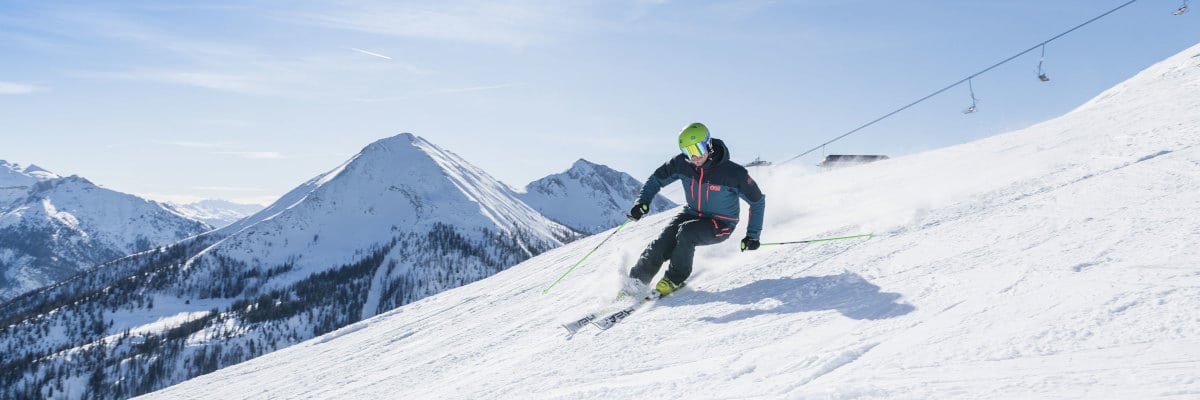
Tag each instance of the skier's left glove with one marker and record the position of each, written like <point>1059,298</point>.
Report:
<point>638,210</point>
<point>749,244</point>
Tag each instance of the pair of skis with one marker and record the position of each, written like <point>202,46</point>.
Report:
<point>607,321</point>
<point>604,323</point>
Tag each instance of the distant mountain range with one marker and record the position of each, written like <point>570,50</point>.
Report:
<point>52,227</point>
<point>15,181</point>
<point>400,221</point>
<point>588,197</point>
<point>216,213</point>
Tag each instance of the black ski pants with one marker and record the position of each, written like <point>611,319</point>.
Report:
<point>677,243</point>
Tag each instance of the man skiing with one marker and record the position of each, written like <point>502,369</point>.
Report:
<point>713,184</point>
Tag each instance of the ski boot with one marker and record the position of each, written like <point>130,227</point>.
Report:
<point>666,287</point>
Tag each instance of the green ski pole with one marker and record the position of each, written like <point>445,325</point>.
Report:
<point>867,235</point>
<point>564,275</point>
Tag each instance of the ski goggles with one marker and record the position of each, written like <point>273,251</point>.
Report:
<point>695,150</point>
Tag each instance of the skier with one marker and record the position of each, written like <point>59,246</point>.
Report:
<point>713,184</point>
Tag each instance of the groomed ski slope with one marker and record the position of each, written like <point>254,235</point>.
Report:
<point>1059,261</point>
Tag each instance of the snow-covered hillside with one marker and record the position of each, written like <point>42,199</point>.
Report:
<point>588,197</point>
<point>216,213</point>
<point>60,226</point>
<point>401,220</point>
<point>1058,261</point>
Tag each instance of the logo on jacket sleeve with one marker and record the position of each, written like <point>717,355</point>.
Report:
<point>714,188</point>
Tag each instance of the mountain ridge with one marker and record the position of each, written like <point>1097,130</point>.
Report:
<point>399,221</point>
<point>59,226</point>
<point>606,195</point>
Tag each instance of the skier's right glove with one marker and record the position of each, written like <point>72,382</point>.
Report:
<point>749,244</point>
<point>638,211</point>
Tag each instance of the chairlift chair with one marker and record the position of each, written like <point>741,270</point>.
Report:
<point>1041,74</point>
<point>971,109</point>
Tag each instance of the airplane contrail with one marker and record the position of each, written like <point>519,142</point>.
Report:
<point>371,54</point>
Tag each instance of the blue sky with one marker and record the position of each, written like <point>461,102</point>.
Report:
<point>245,100</point>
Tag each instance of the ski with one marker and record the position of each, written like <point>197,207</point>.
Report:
<point>614,318</point>
<point>609,320</point>
<point>574,326</point>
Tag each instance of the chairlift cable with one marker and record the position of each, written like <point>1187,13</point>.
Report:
<point>967,79</point>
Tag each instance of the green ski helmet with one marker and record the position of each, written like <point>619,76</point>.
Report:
<point>693,140</point>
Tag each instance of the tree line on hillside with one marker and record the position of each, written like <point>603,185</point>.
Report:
<point>61,342</point>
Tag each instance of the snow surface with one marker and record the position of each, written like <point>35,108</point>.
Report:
<point>1058,261</point>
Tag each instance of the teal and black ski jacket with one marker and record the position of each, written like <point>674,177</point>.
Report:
<point>712,190</point>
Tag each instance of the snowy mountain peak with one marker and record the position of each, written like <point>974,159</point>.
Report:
<point>57,227</point>
<point>405,180</point>
<point>395,186</point>
<point>403,137</point>
<point>587,197</point>
<point>74,181</point>
<point>393,143</point>
<point>39,172</point>
<point>582,166</point>
<point>401,142</point>
<point>12,175</point>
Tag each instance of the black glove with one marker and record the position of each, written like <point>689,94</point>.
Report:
<point>638,211</point>
<point>749,244</point>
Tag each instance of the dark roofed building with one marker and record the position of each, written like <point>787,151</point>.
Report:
<point>847,160</point>
<point>758,162</point>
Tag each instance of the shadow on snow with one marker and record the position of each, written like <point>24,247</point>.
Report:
<point>848,293</point>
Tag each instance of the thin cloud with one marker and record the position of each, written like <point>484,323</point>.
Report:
<point>226,189</point>
<point>236,83</point>
<point>242,67</point>
<point>264,200</point>
<point>170,197</point>
<point>254,155</point>
<point>175,198</point>
<point>439,92</point>
<point>206,80</point>
<point>199,145</point>
<point>17,88</point>
<point>515,24</point>
<point>231,123</point>
<point>369,53</point>
<point>479,88</point>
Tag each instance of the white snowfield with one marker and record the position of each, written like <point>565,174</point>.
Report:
<point>1058,261</point>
